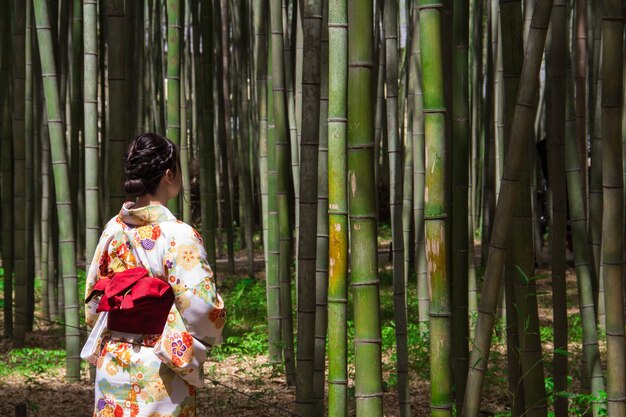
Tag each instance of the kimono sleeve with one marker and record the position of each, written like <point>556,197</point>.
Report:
<point>98,267</point>
<point>188,272</point>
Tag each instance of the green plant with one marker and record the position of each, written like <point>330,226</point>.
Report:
<point>31,362</point>
<point>252,343</point>
<point>579,404</point>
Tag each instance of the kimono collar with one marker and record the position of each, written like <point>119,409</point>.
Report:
<point>144,215</point>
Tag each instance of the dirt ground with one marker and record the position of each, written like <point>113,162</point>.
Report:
<point>247,386</point>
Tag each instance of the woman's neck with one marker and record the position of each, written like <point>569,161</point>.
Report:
<point>150,200</point>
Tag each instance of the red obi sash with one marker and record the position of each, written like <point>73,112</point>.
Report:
<point>136,302</point>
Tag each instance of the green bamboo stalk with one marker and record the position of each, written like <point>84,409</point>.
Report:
<point>321,265</point>
<point>498,101</point>
<point>185,200</point>
<point>19,166</point>
<point>337,208</point>
<point>90,111</point>
<point>260,67</point>
<point>294,99</point>
<point>362,211</point>
<point>435,214</point>
<point>407,181</point>
<point>613,200</point>
<point>596,205</point>
<point>459,199</point>
<point>61,176</point>
<point>390,33</point>
<point>408,227</point>
<point>282,177</point>
<point>556,155</point>
<point>583,256</point>
<point>61,45</point>
<point>522,123</point>
<point>174,64</point>
<point>580,56</point>
<point>38,111</point>
<point>7,175</point>
<point>274,307</point>
<point>477,126</point>
<point>47,219</point>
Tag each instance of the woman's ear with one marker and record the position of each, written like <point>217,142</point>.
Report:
<point>170,175</point>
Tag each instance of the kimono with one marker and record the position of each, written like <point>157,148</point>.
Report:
<point>155,375</point>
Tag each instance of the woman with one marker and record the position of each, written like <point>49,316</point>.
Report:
<point>154,375</point>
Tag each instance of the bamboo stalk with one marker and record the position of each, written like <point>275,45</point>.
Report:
<point>321,266</point>
<point>62,190</point>
<point>309,147</point>
<point>7,175</point>
<point>362,211</point>
<point>613,200</point>
<point>337,207</point>
<point>522,123</point>
<point>556,155</point>
<point>174,64</point>
<point>459,199</point>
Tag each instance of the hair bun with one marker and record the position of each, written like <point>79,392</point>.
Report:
<point>147,159</point>
<point>135,187</point>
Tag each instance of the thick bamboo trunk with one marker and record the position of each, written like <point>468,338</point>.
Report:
<point>117,110</point>
<point>459,199</point>
<point>7,175</point>
<point>19,183</point>
<point>321,265</point>
<point>206,147</point>
<point>309,145</point>
<point>613,200</point>
<point>90,105</point>
<point>62,190</point>
<point>337,208</point>
<point>274,307</point>
<point>362,211</point>
<point>433,50</point>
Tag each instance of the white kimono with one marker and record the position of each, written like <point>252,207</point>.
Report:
<point>155,375</point>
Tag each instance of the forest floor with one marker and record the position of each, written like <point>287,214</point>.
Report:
<point>241,382</point>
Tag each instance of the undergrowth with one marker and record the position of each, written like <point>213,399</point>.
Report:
<point>31,362</point>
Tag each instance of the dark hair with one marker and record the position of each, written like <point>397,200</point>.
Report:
<point>148,157</point>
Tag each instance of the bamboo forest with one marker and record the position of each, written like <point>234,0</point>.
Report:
<point>411,207</point>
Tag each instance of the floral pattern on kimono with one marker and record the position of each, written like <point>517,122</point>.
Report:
<point>155,375</point>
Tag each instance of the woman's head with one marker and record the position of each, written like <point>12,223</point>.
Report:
<point>152,166</point>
